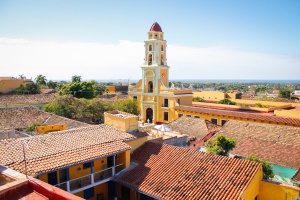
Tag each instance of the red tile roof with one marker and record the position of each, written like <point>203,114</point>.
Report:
<point>155,27</point>
<point>275,143</point>
<point>193,127</point>
<point>245,115</point>
<point>169,172</point>
<point>61,149</point>
<point>23,117</point>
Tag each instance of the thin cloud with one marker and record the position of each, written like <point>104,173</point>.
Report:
<point>123,60</point>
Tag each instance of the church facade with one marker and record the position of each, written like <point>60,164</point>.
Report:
<point>156,96</point>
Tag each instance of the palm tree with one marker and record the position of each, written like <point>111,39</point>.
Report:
<point>41,80</point>
<point>21,76</point>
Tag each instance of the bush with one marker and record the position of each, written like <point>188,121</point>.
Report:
<point>227,101</point>
<point>31,128</point>
<point>266,167</point>
<point>198,99</point>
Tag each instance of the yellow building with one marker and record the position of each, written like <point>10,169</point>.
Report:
<point>82,161</point>
<point>216,95</point>
<point>50,128</point>
<point>124,121</point>
<point>9,84</point>
<point>156,98</point>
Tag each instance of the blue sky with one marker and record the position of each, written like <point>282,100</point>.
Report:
<point>104,39</point>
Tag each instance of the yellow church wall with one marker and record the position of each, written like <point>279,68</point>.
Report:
<point>164,76</point>
<point>137,143</point>
<point>287,113</point>
<point>10,85</point>
<point>50,128</point>
<point>253,188</point>
<point>277,191</point>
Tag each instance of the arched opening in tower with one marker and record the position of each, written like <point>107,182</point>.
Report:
<point>150,86</point>
<point>150,47</point>
<point>162,59</point>
<point>150,59</point>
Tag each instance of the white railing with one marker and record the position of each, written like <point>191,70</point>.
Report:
<point>90,179</point>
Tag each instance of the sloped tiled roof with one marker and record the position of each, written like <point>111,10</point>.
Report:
<point>296,176</point>
<point>244,115</point>
<point>275,143</point>
<point>61,149</point>
<point>23,117</point>
<point>169,172</point>
<point>193,127</point>
<point>12,99</point>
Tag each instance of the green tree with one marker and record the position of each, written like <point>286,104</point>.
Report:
<point>129,106</point>
<point>220,145</point>
<point>41,80</point>
<point>100,89</point>
<point>266,167</point>
<point>76,78</point>
<point>64,106</point>
<point>226,101</point>
<point>31,88</point>
<point>79,89</point>
<point>31,128</point>
<point>52,84</point>
<point>284,93</point>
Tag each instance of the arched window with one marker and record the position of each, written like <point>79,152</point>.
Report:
<point>150,86</point>
<point>150,47</point>
<point>162,59</point>
<point>162,47</point>
<point>150,59</point>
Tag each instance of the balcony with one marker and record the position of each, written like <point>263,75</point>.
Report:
<point>90,180</point>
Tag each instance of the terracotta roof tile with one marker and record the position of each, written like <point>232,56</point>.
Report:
<point>275,143</point>
<point>25,99</point>
<point>245,115</point>
<point>193,127</point>
<point>169,172</point>
<point>23,117</point>
<point>61,149</point>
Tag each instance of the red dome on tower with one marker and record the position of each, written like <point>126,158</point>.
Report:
<point>155,27</point>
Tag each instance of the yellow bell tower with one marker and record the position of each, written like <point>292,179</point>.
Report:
<point>155,98</point>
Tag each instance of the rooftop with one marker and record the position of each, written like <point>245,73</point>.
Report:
<point>275,143</point>
<point>169,172</point>
<point>121,114</point>
<point>155,27</point>
<point>61,149</point>
<point>193,127</point>
<point>22,188</point>
<point>23,117</point>
<point>9,99</point>
<point>240,114</point>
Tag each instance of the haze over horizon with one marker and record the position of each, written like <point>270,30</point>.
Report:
<point>104,40</point>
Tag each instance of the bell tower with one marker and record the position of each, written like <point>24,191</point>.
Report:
<point>155,67</point>
<point>155,98</point>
